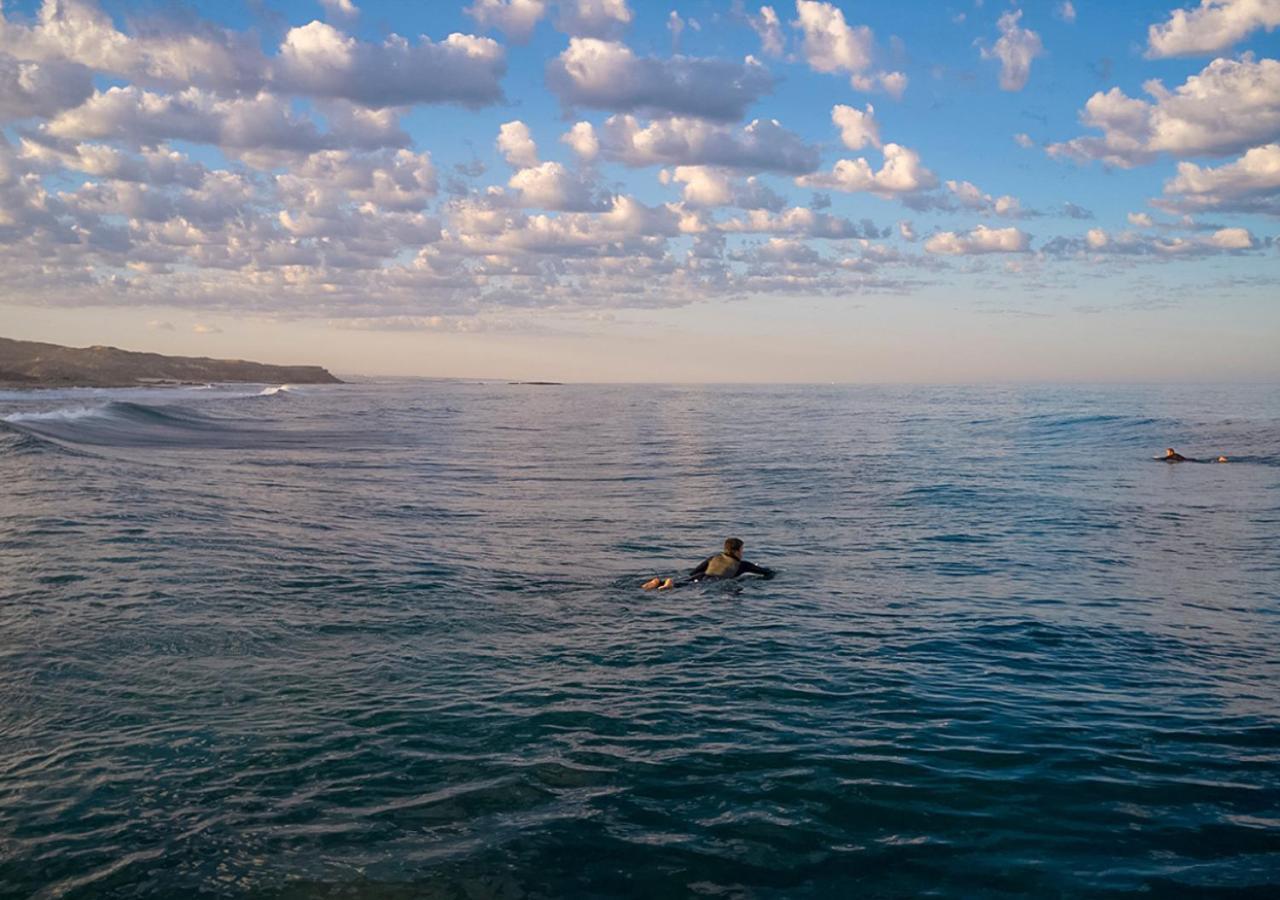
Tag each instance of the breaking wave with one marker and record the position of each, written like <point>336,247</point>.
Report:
<point>129,423</point>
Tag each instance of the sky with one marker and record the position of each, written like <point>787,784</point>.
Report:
<point>618,190</point>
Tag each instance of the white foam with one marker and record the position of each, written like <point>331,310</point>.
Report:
<point>58,415</point>
<point>278,389</point>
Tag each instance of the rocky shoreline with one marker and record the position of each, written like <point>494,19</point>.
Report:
<point>32,364</point>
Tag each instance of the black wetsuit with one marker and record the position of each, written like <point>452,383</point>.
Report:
<point>724,566</point>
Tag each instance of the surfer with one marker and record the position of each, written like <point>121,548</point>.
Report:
<point>724,565</point>
<point>1171,455</point>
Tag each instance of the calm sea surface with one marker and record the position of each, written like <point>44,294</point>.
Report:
<point>387,641</point>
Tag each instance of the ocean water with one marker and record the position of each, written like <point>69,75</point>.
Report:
<point>386,640</point>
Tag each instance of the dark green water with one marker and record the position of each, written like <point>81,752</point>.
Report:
<point>387,641</point>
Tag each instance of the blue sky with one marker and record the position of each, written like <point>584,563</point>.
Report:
<point>624,190</point>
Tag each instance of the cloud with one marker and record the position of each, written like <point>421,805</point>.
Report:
<point>892,83</point>
<point>1211,27</point>
<point>1016,48</point>
<point>516,145</point>
<point>582,138</point>
<point>79,31</point>
<point>1140,220</point>
<point>259,129</point>
<point>830,43</point>
<point>857,128</point>
<point>1023,140</point>
<point>608,75</point>
<point>762,145</point>
<point>319,60</point>
<point>979,241</point>
<point>801,222</point>
<point>901,173</point>
<point>766,24</point>
<point>391,179</point>
<point>1098,243</point>
<point>1233,239</point>
<point>550,185</point>
<point>1251,184</point>
<point>626,228</point>
<point>40,89</point>
<point>705,186</point>
<point>964,195</point>
<point>1066,11</point>
<point>315,59</point>
<point>514,18</point>
<point>341,9</point>
<point>205,328</point>
<point>160,325</point>
<point>594,18</point>
<point>1229,106</point>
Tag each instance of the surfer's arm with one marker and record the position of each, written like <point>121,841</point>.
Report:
<point>701,569</point>
<point>746,568</point>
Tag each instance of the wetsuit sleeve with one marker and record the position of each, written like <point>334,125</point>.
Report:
<point>746,568</point>
<point>702,567</point>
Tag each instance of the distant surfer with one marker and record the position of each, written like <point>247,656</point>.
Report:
<point>724,565</point>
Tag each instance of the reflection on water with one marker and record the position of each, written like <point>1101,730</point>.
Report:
<point>386,641</point>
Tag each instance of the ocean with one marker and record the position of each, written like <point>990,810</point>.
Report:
<point>386,640</point>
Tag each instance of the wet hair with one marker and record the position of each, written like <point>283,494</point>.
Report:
<point>733,546</point>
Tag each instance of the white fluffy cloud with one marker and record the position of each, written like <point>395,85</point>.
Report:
<point>582,138</point>
<point>707,186</point>
<point>762,145</point>
<point>514,18</point>
<point>133,114</point>
<point>1250,184</point>
<point>320,60</point>
<point>594,18</point>
<point>398,180</point>
<point>1098,243</point>
<point>799,221</point>
<point>892,83</point>
<point>767,25</point>
<point>550,185</point>
<point>315,59</point>
<point>857,128</point>
<point>261,130</point>
<point>1016,48</point>
<point>1229,106</point>
<point>516,144</point>
<point>830,43</point>
<point>967,195</point>
<point>158,165</point>
<point>901,173</point>
<point>978,241</point>
<point>608,75</point>
<point>40,89</point>
<point>342,9</point>
<point>1211,27</point>
<point>80,31</point>
<point>582,18</point>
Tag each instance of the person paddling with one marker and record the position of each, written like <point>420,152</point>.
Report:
<point>724,565</point>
